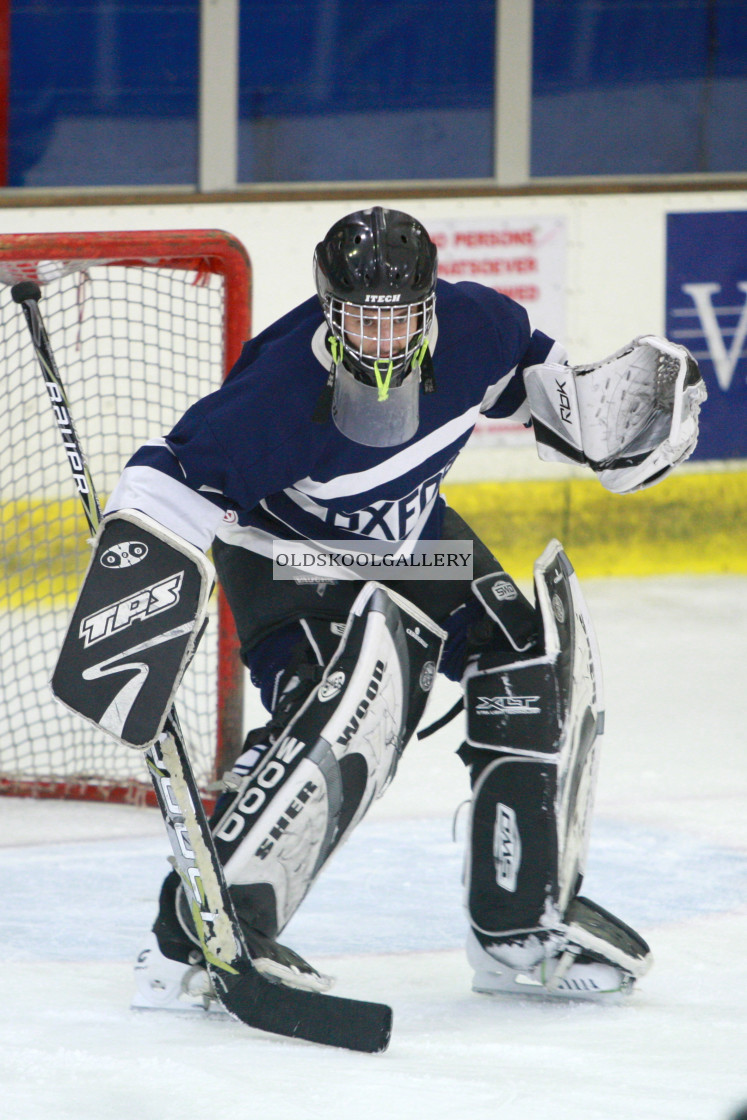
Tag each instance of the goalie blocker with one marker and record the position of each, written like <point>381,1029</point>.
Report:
<point>137,622</point>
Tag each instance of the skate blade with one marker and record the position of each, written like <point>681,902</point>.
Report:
<point>197,1010</point>
<point>569,988</point>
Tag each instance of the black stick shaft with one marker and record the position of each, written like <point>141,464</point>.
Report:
<point>27,294</point>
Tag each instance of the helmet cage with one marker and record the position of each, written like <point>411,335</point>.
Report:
<point>378,343</point>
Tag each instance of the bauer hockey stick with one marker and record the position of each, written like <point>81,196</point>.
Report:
<point>247,994</point>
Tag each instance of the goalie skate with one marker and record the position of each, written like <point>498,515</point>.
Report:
<point>167,985</point>
<point>591,956</point>
<point>163,984</point>
<point>170,972</point>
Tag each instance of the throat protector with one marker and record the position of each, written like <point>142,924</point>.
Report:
<point>376,415</point>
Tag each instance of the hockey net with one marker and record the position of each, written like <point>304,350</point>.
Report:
<point>141,325</point>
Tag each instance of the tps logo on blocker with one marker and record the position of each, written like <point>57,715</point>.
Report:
<point>143,604</point>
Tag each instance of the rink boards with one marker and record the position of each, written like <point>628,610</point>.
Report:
<point>692,522</point>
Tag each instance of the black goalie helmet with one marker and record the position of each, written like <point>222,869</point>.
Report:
<point>375,275</point>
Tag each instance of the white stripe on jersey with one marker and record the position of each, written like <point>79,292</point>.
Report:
<point>357,483</point>
<point>169,502</point>
<point>493,392</point>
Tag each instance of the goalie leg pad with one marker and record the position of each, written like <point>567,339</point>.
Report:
<point>532,728</point>
<point>139,616</point>
<point>334,757</point>
<point>542,716</point>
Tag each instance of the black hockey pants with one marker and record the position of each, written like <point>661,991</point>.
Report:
<point>268,612</point>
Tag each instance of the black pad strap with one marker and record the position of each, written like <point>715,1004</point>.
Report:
<point>447,717</point>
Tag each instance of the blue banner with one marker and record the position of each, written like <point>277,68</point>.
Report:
<point>707,312</point>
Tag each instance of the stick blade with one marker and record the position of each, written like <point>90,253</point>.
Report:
<point>272,1006</point>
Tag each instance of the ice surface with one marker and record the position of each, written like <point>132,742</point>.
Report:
<point>668,854</point>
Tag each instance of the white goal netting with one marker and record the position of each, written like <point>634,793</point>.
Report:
<point>135,346</point>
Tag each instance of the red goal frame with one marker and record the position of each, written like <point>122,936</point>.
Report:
<point>205,251</point>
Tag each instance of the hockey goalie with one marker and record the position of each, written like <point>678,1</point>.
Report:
<point>338,423</point>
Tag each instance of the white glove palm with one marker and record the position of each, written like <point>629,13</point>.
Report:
<point>631,417</point>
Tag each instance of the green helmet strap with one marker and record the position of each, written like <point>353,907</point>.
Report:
<point>382,383</point>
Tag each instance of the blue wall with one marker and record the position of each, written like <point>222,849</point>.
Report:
<point>639,87</point>
<point>341,89</point>
<point>105,93</point>
<point>102,93</point>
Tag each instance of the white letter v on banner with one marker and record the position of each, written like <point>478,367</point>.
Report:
<point>724,363</point>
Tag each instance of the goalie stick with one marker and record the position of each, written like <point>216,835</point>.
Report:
<point>246,994</point>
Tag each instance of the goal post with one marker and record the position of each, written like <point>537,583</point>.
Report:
<point>142,324</point>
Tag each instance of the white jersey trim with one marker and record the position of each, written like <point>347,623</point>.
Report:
<point>169,502</point>
<point>493,392</point>
<point>558,354</point>
<point>359,482</point>
<point>311,507</point>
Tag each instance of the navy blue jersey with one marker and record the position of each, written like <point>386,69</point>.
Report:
<point>248,463</point>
